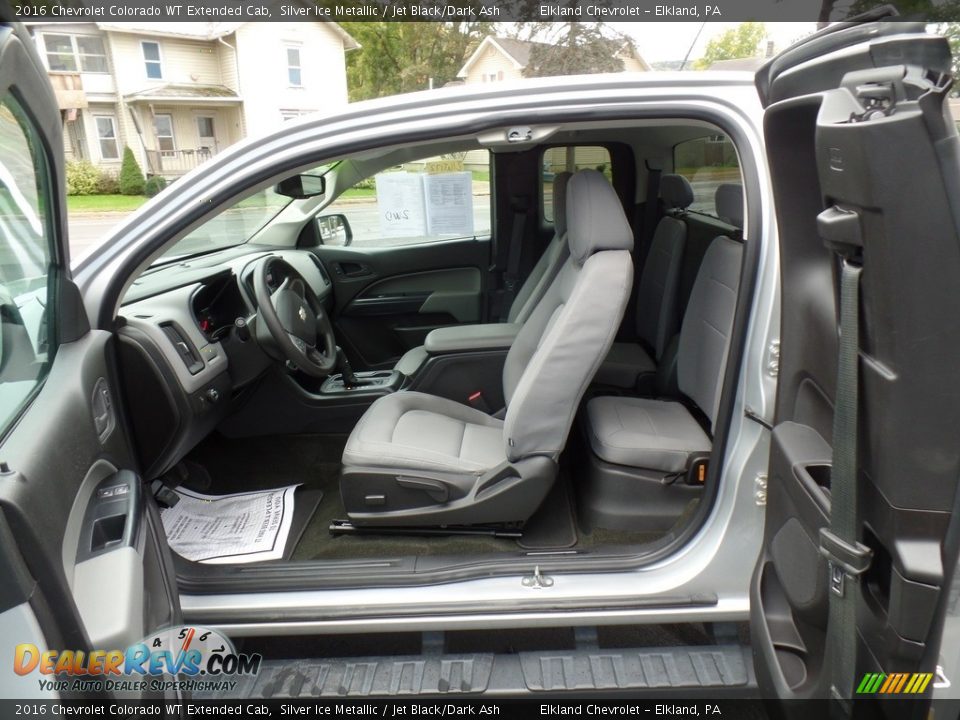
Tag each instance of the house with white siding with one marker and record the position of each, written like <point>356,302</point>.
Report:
<point>177,93</point>
<point>498,58</point>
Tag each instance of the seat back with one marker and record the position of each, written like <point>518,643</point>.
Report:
<point>708,324</point>
<point>728,201</point>
<point>658,314</point>
<point>559,348</point>
<point>550,261</point>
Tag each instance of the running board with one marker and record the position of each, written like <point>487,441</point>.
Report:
<point>708,669</point>
<point>345,527</point>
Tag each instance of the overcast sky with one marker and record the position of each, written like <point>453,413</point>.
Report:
<point>658,41</point>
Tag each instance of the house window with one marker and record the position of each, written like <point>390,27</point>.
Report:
<point>68,53</point>
<point>151,59</point>
<point>163,129</point>
<point>60,55</point>
<point>294,70</point>
<point>107,136</point>
<point>205,127</point>
<point>93,56</point>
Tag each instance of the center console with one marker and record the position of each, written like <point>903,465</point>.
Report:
<point>381,381</point>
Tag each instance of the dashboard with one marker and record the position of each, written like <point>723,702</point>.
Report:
<point>183,358</point>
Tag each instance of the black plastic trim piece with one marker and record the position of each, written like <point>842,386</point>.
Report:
<point>399,304</point>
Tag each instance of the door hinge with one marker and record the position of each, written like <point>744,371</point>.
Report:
<point>760,489</point>
<point>773,358</point>
<point>537,580</point>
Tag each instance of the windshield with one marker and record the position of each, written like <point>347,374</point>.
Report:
<point>237,224</point>
<point>234,226</point>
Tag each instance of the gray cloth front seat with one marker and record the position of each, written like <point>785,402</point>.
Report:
<point>657,292</point>
<point>536,283</point>
<point>417,459</point>
<point>663,435</point>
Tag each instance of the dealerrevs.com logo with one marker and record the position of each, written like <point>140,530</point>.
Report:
<point>184,658</point>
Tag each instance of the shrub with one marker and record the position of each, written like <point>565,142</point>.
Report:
<point>82,177</point>
<point>131,176</point>
<point>154,184</point>
<point>107,183</point>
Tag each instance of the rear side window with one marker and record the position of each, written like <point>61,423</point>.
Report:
<point>570,158</point>
<point>26,342</point>
<point>707,163</point>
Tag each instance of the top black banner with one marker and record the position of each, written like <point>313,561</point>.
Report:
<point>140,11</point>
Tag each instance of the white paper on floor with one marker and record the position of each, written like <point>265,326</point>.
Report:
<point>241,528</point>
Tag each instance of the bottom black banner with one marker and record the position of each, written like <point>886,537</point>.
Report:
<point>540,707</point>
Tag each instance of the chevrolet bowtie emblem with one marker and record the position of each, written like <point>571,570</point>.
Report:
<point>303,314</point>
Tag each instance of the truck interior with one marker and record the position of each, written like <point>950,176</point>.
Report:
<point>549,386</point>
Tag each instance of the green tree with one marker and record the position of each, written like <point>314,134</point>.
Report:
<point>575,48</point>
<point>131,176</point>
<point>951,31</point>
<point>397,57</point>
<point>742,41</point>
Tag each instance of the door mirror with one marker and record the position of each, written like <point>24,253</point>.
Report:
<point>334,230</point>
<point>299,187</point>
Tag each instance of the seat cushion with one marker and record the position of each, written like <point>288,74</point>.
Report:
<point>416,431</point>
<point>623,364</point>
<point>651,434</point>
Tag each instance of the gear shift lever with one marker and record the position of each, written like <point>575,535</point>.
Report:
<point>346,371</point>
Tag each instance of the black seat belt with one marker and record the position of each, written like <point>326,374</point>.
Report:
<point>847,557</point>
<point>511,276</point>
<point>651,205</point>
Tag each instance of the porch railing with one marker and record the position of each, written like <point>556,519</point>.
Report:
<point>177,162</point>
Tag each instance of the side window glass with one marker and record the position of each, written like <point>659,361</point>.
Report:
<point>570,158</point>
<point>707,163</point>
<point>26,337</point>
<point>434,199</point>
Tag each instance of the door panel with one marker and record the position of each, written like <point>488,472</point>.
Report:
<point>873,140</point>
<point>95,565</point>
<point>387,299</point>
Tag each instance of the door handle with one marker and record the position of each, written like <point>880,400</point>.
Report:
<point>351,269</point>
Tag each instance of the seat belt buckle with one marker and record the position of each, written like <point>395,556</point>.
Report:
<point>844,560</point>
<point>476,400</point>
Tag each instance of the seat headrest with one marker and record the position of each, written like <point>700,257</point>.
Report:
<point>595,218</point>
<point>728,200</point>
<point>560,182</point>
<point>676,191</point>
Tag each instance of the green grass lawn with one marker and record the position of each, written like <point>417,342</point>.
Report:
<point>104,203</point>
<point>359,193</point>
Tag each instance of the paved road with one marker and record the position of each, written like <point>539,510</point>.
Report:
<point>87,230</point>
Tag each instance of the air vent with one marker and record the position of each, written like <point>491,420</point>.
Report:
<point>185,349</point>
<point>323,271</point>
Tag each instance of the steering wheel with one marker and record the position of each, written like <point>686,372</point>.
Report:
<point>298,328</point>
